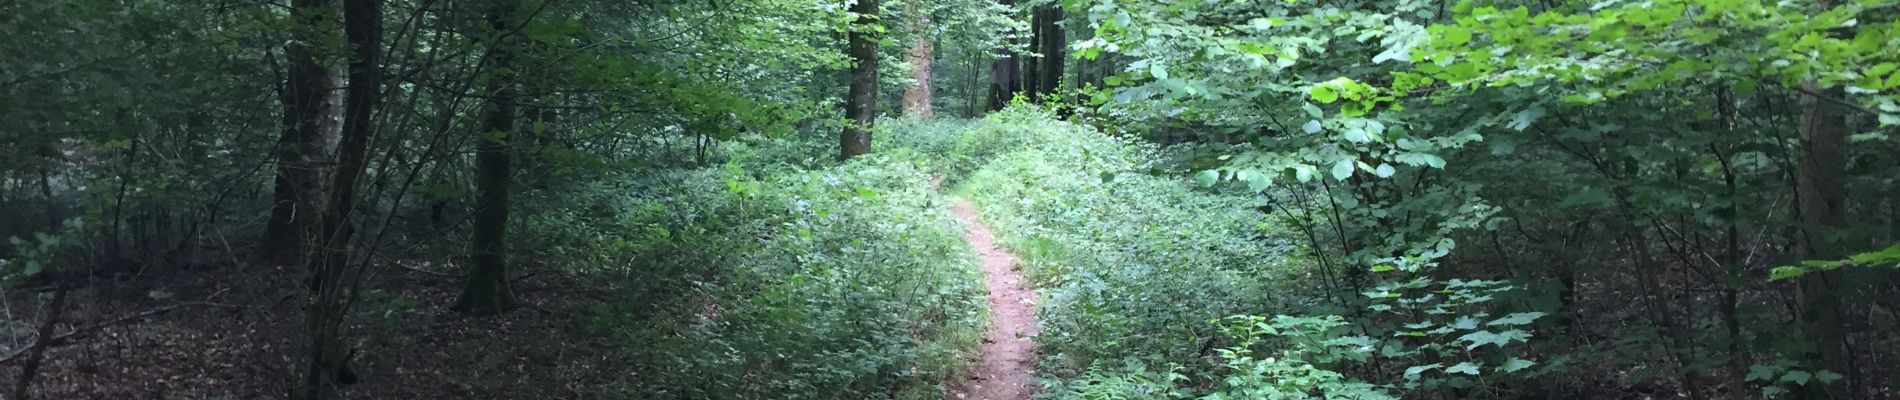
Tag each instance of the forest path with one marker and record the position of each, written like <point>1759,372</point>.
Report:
<point>1008,355</point>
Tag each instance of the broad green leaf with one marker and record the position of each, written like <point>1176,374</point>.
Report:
<point>1516,319</point>
<point>1385,171</point>
<point>1796,377</point>
<point>1760,372</point>
<point>1413,372</point>
<point>1523,119</point>
<point>1515,364</point>
<point>1466,368</point>
<point>1342,169</point>
<point>1324,94</point>
<point>1481,338</point>
<point>1207,178</point>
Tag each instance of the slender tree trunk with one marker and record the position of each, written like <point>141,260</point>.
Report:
<point>1822,208</point>
<point>976,90</point>
<point>487,291</point>
<point>31,367</point>
<point>312,101</point>
<point>917,97</point>
<point>1734,267</point>
<point>325,355</point>
<point>861,105</point>
<point>1032,64</point>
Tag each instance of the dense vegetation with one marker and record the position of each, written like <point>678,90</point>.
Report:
<point>751,198</point>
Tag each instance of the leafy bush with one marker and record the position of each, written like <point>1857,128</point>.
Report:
<point>1133,266</point>
<point>777,281</point>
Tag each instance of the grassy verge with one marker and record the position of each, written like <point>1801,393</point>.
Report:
<point>1133,266</point>
<point>764,278</point>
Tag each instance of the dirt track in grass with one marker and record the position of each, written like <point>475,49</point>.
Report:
<point>1005,370</point>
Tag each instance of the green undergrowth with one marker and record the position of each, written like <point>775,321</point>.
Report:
<point>1137,266</point>
<point>778,274</point>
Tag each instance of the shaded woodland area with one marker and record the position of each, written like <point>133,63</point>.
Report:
<point>748,199</point>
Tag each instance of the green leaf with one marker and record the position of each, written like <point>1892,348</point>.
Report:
<point>1523,119</point>
<point>1342,169</point>
<point>1324,94</point>
<point>1515,364</point>
<point>1158,71</point>
<point>1413,371</point>
<point>1384,171</point>
<point>1516,319</point>
<point>1466,368</point>
<point>1420,159</point>
<point>1796,377</point>
<point>1452,36</point>
<point>1207,178</point>
<point>1760,372</point>
<point>1311,126</point>
<point>1258,182</point>
<point>1827,377</point>
<point>1481,338</point>
<point>1356,135</point>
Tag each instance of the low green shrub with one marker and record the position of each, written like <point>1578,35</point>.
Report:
<point>771,280</point>
<point>1132,266</point>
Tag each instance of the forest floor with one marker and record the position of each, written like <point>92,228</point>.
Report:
<point>1008,355</point>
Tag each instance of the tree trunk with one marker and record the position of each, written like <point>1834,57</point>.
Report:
<point>1006,74</point>
<point>324,353</point>
<point>917,97</point>
<point>311,99</point>
<point>1822,209</point>
<point>1051,50</point>
<point>487,291</point>
<point>975,88</point>
<point>1031,64</point>
<point>861,105</point>
<point>1006,80</point>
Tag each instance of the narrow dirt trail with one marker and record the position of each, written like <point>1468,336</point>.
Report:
<point>1006,369</point>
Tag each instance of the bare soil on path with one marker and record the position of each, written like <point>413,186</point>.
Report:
<point>1005,370</point>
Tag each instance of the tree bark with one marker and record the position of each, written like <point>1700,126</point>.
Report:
<point>1822,209</point>
<point>312,99</point>
<point>1006,74</point>
<point>861,105</point>
<point>1052,52</point>
<point>1031,65</point>
<point>917,97</point>
<point>487,291</point>
<point>324,352</point>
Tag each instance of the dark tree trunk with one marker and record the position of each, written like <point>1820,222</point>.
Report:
<point>975,90</point>
<point>324,353</point>
<point>1050,43</point>
<point>861,105</point>
<point>1031,65</point>
<point>487,291</point>
<point>1822,208</point>
<point>311,102</point>
<point>1006,80</point>
<point>37,354</point>
<point>1006,73</point>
